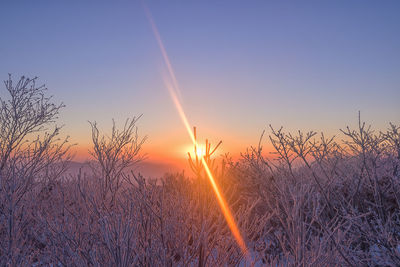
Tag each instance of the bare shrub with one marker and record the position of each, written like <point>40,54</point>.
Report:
<point>29,154</point>
<point>314,201</point>
<point>332,203</point>
<point>114,154</point>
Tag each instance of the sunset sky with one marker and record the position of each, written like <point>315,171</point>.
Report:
<point>240,66</point>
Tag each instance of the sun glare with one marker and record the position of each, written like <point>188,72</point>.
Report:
<point>199,152</point>
<point>173,89</point>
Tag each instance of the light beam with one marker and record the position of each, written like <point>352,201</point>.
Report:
<point>174,92</point>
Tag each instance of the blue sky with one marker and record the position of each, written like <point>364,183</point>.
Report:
<point>309,65</point>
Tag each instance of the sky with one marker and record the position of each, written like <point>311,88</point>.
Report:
<point>241,65</point>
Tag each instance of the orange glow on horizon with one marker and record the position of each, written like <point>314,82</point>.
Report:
<point>173,89</point>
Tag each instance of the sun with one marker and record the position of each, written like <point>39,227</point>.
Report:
<point>199,152</point>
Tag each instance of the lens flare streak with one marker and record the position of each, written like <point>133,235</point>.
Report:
<point>225,209</point>
<point>174,92</point>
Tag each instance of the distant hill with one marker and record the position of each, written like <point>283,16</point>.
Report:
<point>146,168</point>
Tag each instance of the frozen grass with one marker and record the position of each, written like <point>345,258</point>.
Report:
<point>316,201</point>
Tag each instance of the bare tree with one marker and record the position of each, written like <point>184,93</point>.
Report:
<point>115,154</point>
<point>28,150</point>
